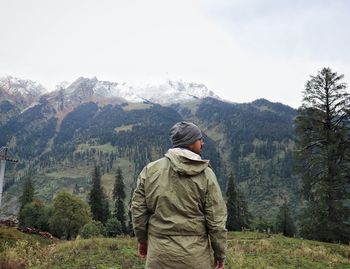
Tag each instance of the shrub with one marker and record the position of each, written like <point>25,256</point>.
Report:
<point>89,230</point>
<point>113,227</point>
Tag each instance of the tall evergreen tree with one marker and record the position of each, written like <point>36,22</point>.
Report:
<point>284,221</point>
<point>97,199</point>
<point>26,197</point>
<point>323,132</point>
<point>238,216</point>
<point>119,197</point>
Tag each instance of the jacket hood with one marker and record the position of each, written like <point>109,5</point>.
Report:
<point>186,162</point>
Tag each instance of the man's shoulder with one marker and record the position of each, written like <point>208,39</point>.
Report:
<point>157,165</point>
<point>158,162</point>
<point>209,173</point>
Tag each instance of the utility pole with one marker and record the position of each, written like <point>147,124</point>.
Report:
<point>4,157</point>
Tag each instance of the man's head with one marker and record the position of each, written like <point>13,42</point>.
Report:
<point>186,135</point>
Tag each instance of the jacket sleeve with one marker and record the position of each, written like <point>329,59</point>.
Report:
<point>139,212</point>
<point>216,216</point>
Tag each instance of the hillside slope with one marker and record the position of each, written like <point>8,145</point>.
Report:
<point>254,141</point>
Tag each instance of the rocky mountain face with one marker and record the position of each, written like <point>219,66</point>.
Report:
<point>165,93</point>
<point>23,92</point>
<point>60,135</point>
<point>16,95</point>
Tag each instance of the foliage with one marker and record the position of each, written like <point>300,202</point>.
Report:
<point>32,128</point>
<point>284,221</point>
<point>113,227</point>
<point>69,215</point>
<point>35,215</point>
<point>119,197</point>
<point>27,193</point>
<point>26,197</point>
<point>90,230</point>
<point>97,199</point>
<point>262,225</point>
<point>238,216</point>
<point>323,143</point>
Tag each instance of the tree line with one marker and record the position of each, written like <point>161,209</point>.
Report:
<point>69,216</point>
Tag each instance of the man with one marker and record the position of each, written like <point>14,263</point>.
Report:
<point>177,208</point>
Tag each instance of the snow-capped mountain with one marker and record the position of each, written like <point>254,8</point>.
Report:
<point>85,87</point>
<point>169,92</point>
<point>69,95</point>
<point>20,90</point>
<point>165,92</point>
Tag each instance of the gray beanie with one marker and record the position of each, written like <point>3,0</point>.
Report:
<point>184,133</point>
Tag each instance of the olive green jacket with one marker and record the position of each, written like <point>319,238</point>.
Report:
<point>179,195</point>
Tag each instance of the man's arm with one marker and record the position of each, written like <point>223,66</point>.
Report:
<point>216,215</point>
<point>139,210</point>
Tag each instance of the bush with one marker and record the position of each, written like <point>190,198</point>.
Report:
<point>69,215</point>
<point>89,230</point>
<point>113,227</point>
<point>35,215</point>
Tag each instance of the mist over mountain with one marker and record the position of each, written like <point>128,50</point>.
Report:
<point>59,135</point>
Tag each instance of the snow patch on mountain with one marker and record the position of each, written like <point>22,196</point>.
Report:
<point>164,92</point>
<point>169,92</point>
<point>83,90</point>
<point>21,87</point>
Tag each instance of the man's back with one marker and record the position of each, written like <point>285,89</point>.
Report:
<point>176,201</point>
<point>180,195</point>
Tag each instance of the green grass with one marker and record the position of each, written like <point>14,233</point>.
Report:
<point>255,250</point>
<point>245,250</point>
<point>9,236</point>
<point>101,253</point>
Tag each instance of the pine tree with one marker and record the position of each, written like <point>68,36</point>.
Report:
<point>323,131</point>
<point>27,193</point>
<point>238,216</point>
<point>26,198</point>
<point>119,196</point>
<point>97,199</point>
<point>284,221</point>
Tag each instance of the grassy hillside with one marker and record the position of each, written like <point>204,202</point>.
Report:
<point>245,250</point>
<point>10,236</point>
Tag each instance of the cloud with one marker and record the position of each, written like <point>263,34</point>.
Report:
<point>242,50</point>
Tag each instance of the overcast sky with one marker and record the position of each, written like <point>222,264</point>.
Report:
<point>240,49</point>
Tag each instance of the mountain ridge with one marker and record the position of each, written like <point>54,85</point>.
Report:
<point>163,92</point>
